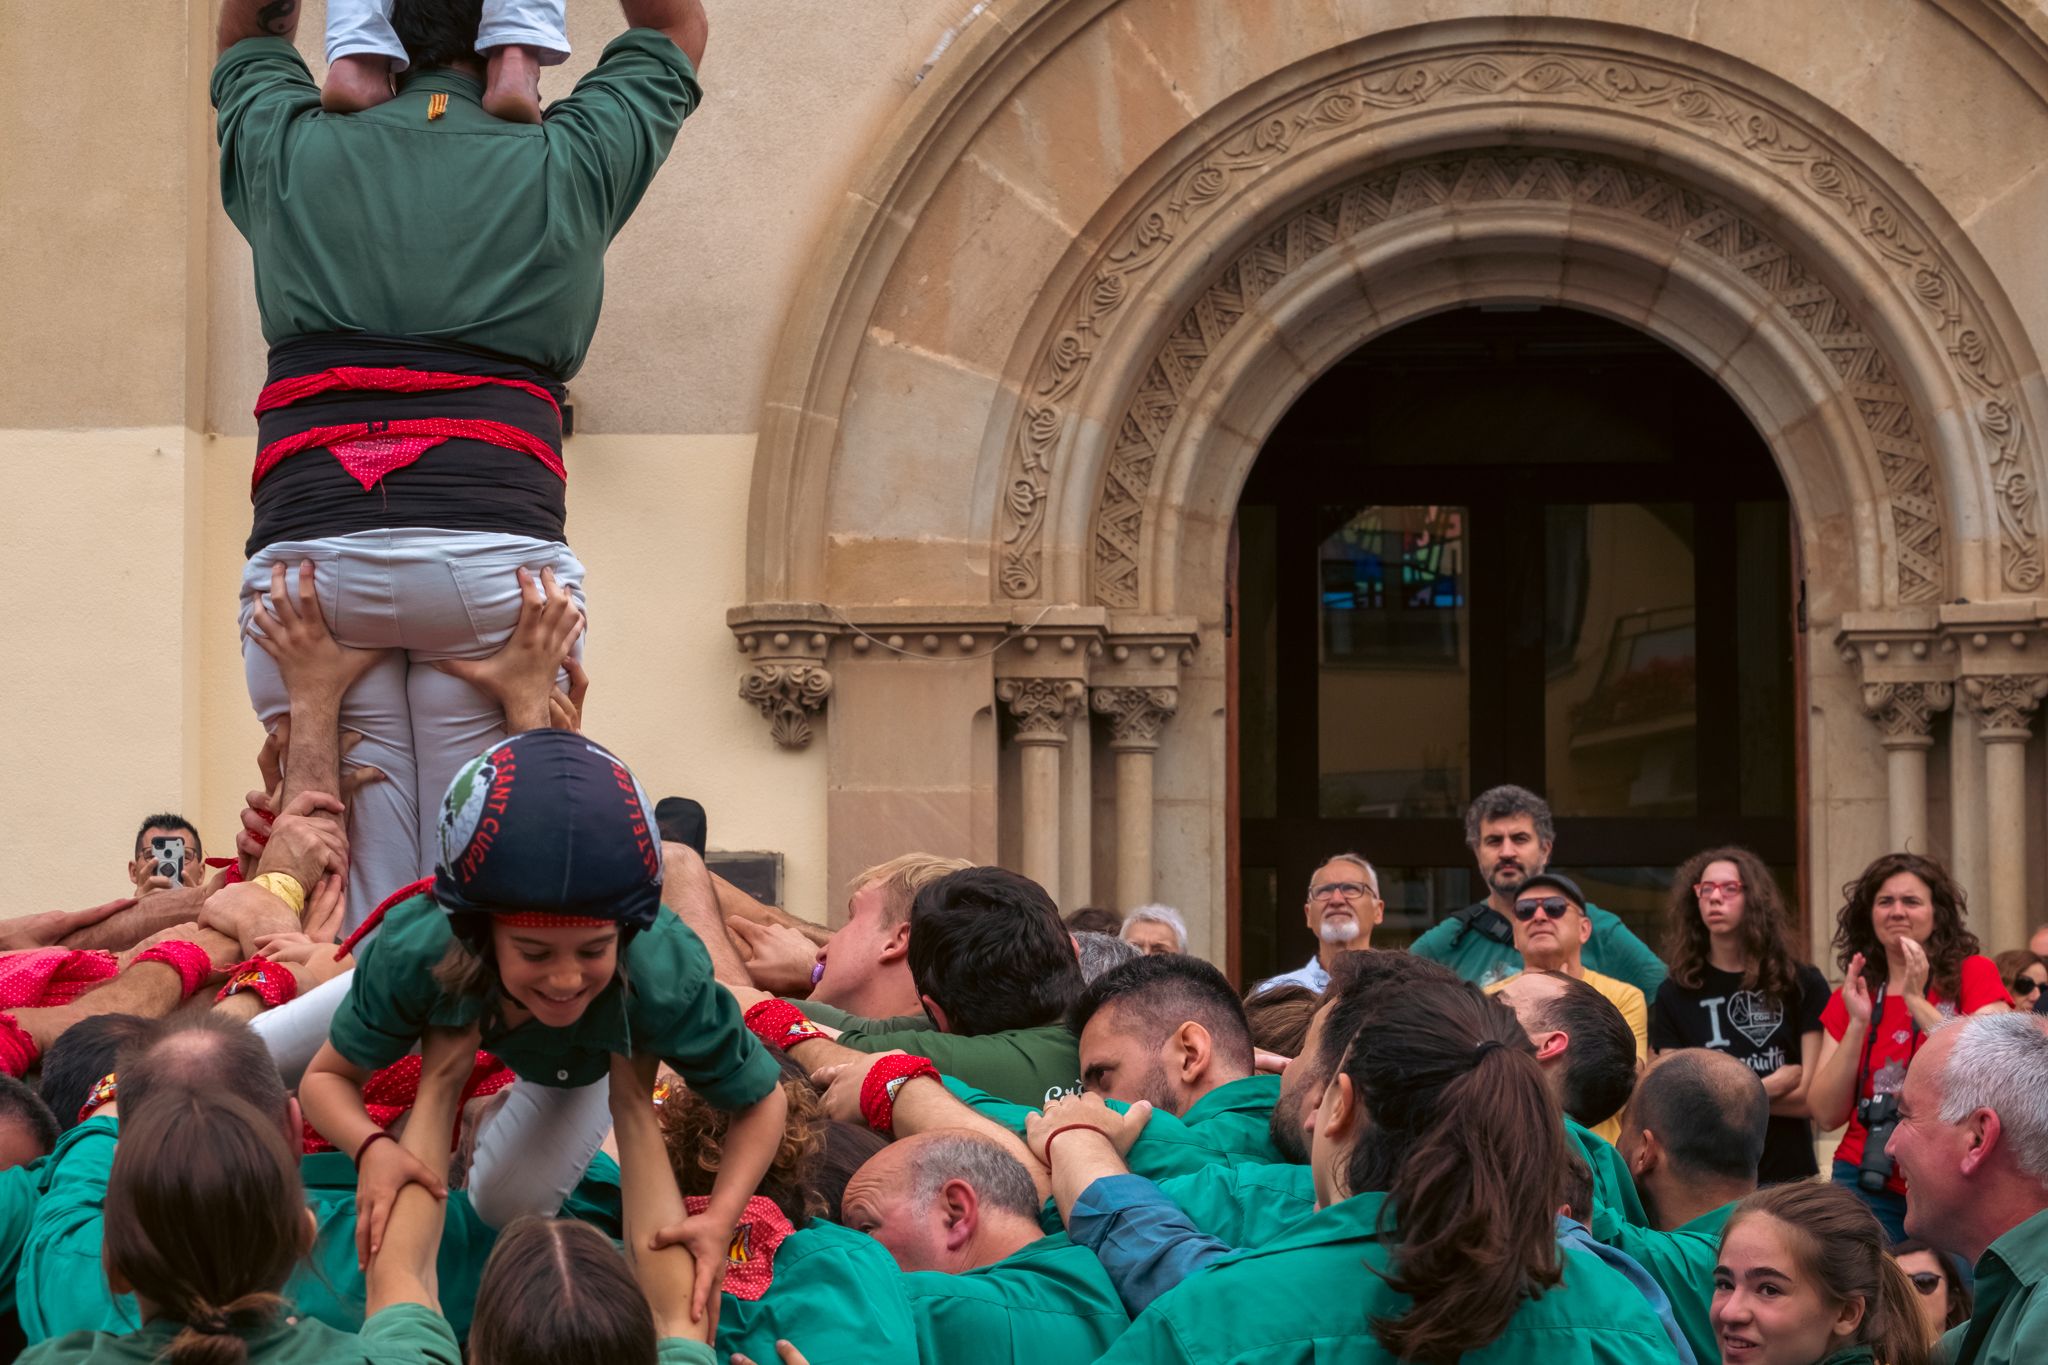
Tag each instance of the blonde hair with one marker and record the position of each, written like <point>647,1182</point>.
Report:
<point>902,877</point>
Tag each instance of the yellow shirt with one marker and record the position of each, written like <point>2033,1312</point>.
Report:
<point>1634,1009</point>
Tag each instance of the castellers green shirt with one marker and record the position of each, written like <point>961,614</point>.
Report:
<point>427,217</point>
<point>1048,1304</point>
<point>1229,1125</point>
<point>2011,1322</point>
<point>1681,1262</point>
<point>1313,1293</point>
<point>673,1009</point>
<point>403,1334</point>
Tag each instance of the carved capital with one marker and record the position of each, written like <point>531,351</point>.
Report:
<point>2004,704</point>
<point>1904,712</point>
<point>1042,706</point>
<point>789,694</point>
<point>1136,714</point>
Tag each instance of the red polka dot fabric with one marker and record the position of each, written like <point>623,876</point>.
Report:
<point>389,1094</point>
<point>750,1261</point>
<point>52,976</point>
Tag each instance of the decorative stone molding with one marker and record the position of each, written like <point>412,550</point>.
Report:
<point>2005,703</point>
<point>1136,714</point>
<point>1042,706</point>
<point>789,694</point>
<point>1806,162</point>
<point>1904,712</point>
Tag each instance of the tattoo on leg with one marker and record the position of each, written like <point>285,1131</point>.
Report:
<point>275,17</point>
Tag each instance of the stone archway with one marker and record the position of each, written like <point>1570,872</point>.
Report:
<point>1095,410</point>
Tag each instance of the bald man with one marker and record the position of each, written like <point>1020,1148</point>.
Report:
<point>959,1213</point>
<point>1692,1135</point>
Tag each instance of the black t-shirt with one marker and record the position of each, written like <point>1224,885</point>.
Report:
<point>1755,1029</point>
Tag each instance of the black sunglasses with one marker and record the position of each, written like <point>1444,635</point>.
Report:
<point>2025,985</point>
<point>1926,1281</point>
<point>1553,906</point>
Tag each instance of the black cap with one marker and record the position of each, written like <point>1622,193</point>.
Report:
<point>1558,880</point>
<point>548,821</point>
<point>682,821</point>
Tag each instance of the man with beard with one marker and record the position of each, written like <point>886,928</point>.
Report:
<point>1342,909</point>
<point>1510,832</point>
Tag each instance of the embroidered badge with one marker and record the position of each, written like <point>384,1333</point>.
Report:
<point>437,105</point>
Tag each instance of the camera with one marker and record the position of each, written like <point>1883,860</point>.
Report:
<point>1880,1116</point>
<point>169,850</point>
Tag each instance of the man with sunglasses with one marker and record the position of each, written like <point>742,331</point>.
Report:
<point>1551,929</point>
<point>1342,910</point>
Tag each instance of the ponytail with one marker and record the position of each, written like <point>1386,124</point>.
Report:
<point>219,1336</point>
<point>1467,1140</point>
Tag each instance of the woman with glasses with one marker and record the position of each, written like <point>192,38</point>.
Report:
<point>1737,986</point>
<point>1910,963</point>
<point>2025,975</point>
<point>1945,1301</point>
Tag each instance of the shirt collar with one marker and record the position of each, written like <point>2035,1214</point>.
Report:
<point>1710,1223</point>
<point>2022,1252</point>
<point>440,78</point>
<point>1244,1095</point>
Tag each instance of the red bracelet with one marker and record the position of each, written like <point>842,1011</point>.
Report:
<point>192,963</point>
<point>272,982</point>
<point>884,1079</point>
<point>1069,1128</point>
<point>780,1024</point>
<point>380,1133</point>
<point>102,1094</point>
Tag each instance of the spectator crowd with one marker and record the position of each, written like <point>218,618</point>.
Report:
<point>460,1050</point>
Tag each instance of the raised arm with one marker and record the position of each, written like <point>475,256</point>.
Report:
<point>650,1201</point>
<point>922,1105</point>
<point>683,21</point>
<point>241,19</point>
<point>402,1271</point>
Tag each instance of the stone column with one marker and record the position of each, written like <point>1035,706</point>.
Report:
<point>2004,705</point>
<point>1904,713</point>
<point>1136,715</point>
<point>1042,707</point>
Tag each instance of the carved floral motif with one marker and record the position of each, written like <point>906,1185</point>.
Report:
<point>2005,703</point>
<point>1808,164</point>
<point>1042,706</point>
<point>788,695</point>
<point>1136,714</point>
<point>1904,712</point>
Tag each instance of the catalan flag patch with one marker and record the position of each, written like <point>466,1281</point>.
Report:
<point>437,105</point>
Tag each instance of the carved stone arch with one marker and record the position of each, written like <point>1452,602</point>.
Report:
<point>1865,277</point>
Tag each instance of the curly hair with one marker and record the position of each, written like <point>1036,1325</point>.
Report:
<point>1947,946</point>
<point>1766,927</point>
<point>694,1133</point>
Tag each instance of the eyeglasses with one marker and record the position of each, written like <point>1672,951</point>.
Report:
<point>1553,906</point>
<point>2025,985</point>
<point>1726,889</point>
<point>1350,891</point>
<point>1926,1281</point>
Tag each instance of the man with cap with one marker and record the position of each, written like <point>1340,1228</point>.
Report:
<point>544,925</point>
<point>1551,929</point>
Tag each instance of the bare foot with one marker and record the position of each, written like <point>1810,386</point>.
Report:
<point>355,83</point>
<point>512,92</point>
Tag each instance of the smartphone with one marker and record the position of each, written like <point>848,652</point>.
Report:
<point>169,851</point>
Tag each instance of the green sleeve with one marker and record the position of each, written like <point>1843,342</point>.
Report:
<point>597,1198</point>
<point>61,1287</point>
<point>1615,1199</point>
<point>1022,1066</point>
<point>1244,1206</point>
<point>1436,943</point>
<point>20,1188</point>
<point>831,1016</point>
<point>1616,951</point>
<point>391,993</point>
<point>261,88</point>
<point>683,1351</point>
<point>1001,1111</point>
<point>415,1329</point>
<point>609,137</point>
<point>678,1010</point>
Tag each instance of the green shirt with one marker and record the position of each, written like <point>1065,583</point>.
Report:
<point>2011,1322</point>
<point>674,1008</point>
<point>1245,1206</point>
<point>1230,1124</point>
<point>462,228</point>
<point>1682,1263</point>
<point>399,1335</point>
<point>1306,1296</point>
<point>67,1289</point>
<point>1612,950</point>
<point>834,1295</point>
<point>1048,1304</point>
<point>1027,1066</point>
<point>834,1017</point>
<point>21,1189</point>
<point>1613,1187</point>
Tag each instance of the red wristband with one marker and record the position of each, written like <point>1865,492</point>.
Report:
<point>18,1048</point>
<point>192,963</point>
<point>1069,1128</point>
<point>102,1094</point>
<point>878,1091</point>
<point>780,1024</point>
<point>272,982</point>
<point>380,1133</point>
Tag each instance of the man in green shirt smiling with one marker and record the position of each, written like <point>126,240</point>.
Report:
<point>1972,1143</point>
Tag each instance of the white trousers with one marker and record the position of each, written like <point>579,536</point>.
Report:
<point>529,1154</point>
<point>421,595</point>
<point>356,27</point>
